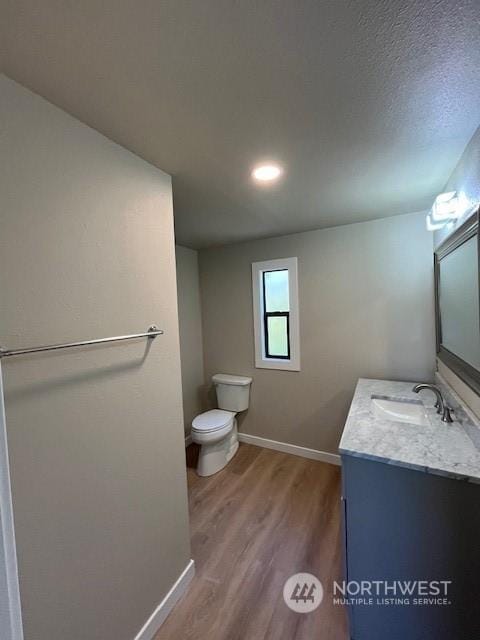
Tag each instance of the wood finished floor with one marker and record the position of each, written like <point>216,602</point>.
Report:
<point>266,516</point>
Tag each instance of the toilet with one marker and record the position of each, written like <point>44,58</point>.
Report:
<point>216,430</point>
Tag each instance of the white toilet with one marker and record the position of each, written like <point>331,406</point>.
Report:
<point>216,430</point>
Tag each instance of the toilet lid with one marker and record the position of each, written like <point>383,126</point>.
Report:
<point>212,420</point>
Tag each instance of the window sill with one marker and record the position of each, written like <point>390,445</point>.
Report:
<point>282,365</point>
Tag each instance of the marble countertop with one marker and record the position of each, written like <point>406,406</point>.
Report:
<point>444,449</point>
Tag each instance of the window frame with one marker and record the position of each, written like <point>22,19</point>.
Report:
<point>263,360</point>
<point>274,314</point>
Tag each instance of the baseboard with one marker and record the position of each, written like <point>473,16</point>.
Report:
<point>284,447</point>
<point>188,440</point>
<point>158,617</point>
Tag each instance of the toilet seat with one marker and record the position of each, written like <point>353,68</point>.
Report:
<point>212,421</point>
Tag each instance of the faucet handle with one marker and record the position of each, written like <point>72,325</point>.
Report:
<point>447,414</point>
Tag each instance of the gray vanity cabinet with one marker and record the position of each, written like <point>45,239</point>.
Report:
<point>403,525</point>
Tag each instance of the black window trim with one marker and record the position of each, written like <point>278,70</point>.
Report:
<point>274,314</point>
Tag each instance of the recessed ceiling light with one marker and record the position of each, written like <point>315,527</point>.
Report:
<point>267,172</point>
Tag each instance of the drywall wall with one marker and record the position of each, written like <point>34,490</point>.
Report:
<point>95,435</point>
<point>191,341</point>
<point>366,310</point>
<point>466,181</point>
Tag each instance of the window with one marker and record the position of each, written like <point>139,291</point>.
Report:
<point>275,308</point>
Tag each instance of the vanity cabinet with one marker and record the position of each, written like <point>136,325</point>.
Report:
<point>402,524</point>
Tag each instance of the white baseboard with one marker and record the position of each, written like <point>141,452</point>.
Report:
<point>188,440</point>
<point>284,447</point>
<point>158,617</point>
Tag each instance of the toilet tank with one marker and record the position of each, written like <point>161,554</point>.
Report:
<point>233,392</point>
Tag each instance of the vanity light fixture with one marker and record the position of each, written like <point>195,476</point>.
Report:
<point>267,172</point>
<point>445,207</point>
<point>448,207</point>
<point>434,226</point>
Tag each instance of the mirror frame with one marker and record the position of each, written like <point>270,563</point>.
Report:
<point>462,369</point>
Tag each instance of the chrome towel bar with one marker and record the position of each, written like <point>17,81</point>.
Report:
<point>153,332</point>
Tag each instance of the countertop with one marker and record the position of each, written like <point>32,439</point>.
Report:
<point>451,450</point>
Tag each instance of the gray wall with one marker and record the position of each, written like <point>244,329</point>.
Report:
<point>366,309</point>
<point>191,340</point>
<point>95,435</point>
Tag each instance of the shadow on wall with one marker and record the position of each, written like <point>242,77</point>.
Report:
<point>240,420</point>
<point>42,386</point>
<point>201,396</point>
<point>209,396</point>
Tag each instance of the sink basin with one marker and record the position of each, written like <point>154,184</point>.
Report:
<point>399,410</point>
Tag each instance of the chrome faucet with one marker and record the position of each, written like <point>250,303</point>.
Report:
<point>440,404</point>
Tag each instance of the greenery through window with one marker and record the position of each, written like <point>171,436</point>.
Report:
<point>276,314</point>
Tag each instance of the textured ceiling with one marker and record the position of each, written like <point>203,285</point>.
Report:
<point>367,104</point>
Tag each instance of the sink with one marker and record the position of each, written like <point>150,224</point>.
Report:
<point>412,412</point>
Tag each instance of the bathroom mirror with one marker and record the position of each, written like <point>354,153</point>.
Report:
<point>457,301</point>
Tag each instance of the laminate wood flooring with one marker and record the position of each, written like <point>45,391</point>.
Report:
<point>264,517</point>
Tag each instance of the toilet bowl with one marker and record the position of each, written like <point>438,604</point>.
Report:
<point>216,430</point>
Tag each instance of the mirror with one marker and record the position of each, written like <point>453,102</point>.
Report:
<point>457,303</point>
